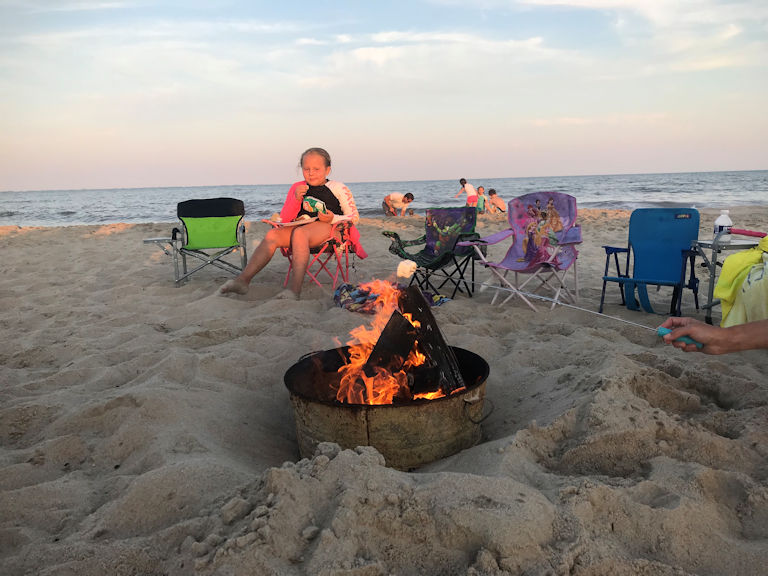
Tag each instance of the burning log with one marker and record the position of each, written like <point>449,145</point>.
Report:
<point>393,346</point>
<point>415,327</point>
<point>402,358</point>
<point>440,370</point>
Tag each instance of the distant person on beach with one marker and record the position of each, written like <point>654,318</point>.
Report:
<point>716,340</point>
<point>396,201</point>
<point>319,201</point>
<point>495,203</point>
<point>481,200</point>
<point>470,191</point>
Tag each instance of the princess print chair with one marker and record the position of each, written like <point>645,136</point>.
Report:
<point>544,236</point>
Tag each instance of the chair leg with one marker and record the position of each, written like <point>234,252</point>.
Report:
<point>675,307</point>
<point>184,274</point>
<point>576,279</point>
<point>321,262</point>
<point>176,273</point>
<point>505,284</point>
<point>459,270</point>
<point>618,273</point>
<point>602,298</point>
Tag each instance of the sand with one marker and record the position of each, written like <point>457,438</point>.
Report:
<point>145,429</point>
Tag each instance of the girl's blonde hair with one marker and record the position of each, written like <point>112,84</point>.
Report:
<point>320,152</point>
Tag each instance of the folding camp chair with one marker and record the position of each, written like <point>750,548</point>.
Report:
<point>441,257</point>
<point>661,242</point>
<point>338,247</point>
<point>544,233</point>
<point>210,229</point>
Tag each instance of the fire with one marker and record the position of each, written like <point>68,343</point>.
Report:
<point>382,387</point>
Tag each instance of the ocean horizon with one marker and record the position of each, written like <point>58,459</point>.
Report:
<point>721,189</point>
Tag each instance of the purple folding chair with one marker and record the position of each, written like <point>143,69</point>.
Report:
<point>544,235</point>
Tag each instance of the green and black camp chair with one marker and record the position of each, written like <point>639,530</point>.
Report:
<point>441,257</point>
<point>211,229</point>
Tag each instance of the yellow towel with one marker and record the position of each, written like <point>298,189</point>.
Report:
<point>735,269</point>
<point>751,302</point>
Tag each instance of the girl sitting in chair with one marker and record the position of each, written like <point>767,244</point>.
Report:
<point>319,201</point>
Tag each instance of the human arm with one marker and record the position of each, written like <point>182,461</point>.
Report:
<point>717,340</point>
<point>388,202</point>
<point>292,203</point>
<point>346,200</point>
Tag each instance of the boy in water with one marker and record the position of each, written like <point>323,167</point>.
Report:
<point>396,201</point>
<point>495,203</point>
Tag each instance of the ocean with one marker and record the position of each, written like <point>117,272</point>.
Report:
<point>627,191</point>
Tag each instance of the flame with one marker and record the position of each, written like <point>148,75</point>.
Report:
<point>383,387</point>
<point>428,395</point>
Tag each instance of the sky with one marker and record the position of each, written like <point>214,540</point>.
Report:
<point>139,93</point>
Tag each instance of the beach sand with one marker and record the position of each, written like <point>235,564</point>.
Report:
<point>145,429</point>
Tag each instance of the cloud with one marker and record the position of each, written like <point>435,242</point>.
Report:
<point>54,6</point>
<point>611,120</point>
<point>379,55</point>
<point>670,13</point>
<point>310,42</point>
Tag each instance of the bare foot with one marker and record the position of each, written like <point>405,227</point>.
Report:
<point>286,295</point>
<point>234,286</point>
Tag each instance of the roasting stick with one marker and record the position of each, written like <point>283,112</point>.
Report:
<point>661,331</point>
<point>407,268</point>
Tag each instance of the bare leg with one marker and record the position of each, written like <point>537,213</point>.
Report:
<point>274,239</point>
<point>304,238</point>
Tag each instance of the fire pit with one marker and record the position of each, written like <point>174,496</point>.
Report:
<point>434,410</point>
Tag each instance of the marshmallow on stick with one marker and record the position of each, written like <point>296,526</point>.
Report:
<point>406,268</point>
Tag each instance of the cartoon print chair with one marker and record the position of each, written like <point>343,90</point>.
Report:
<point>211,229</point>
<point>441,257</point>
<point>661,242</point>
<point>544,235</point>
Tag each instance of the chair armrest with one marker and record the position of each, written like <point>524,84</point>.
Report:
<point>614,251</point>
<point>470,241</point>
<point>469,238</point>
<point>397,246</point>
<point>572,236</point>
<point>396,238</point>
<point>341,224</point>
<point>753,233</point>
<point>340,230</point>
<point>488,240</point>
<point>177,234</point>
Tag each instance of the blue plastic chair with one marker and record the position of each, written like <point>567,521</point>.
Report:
<point>661,242</point>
